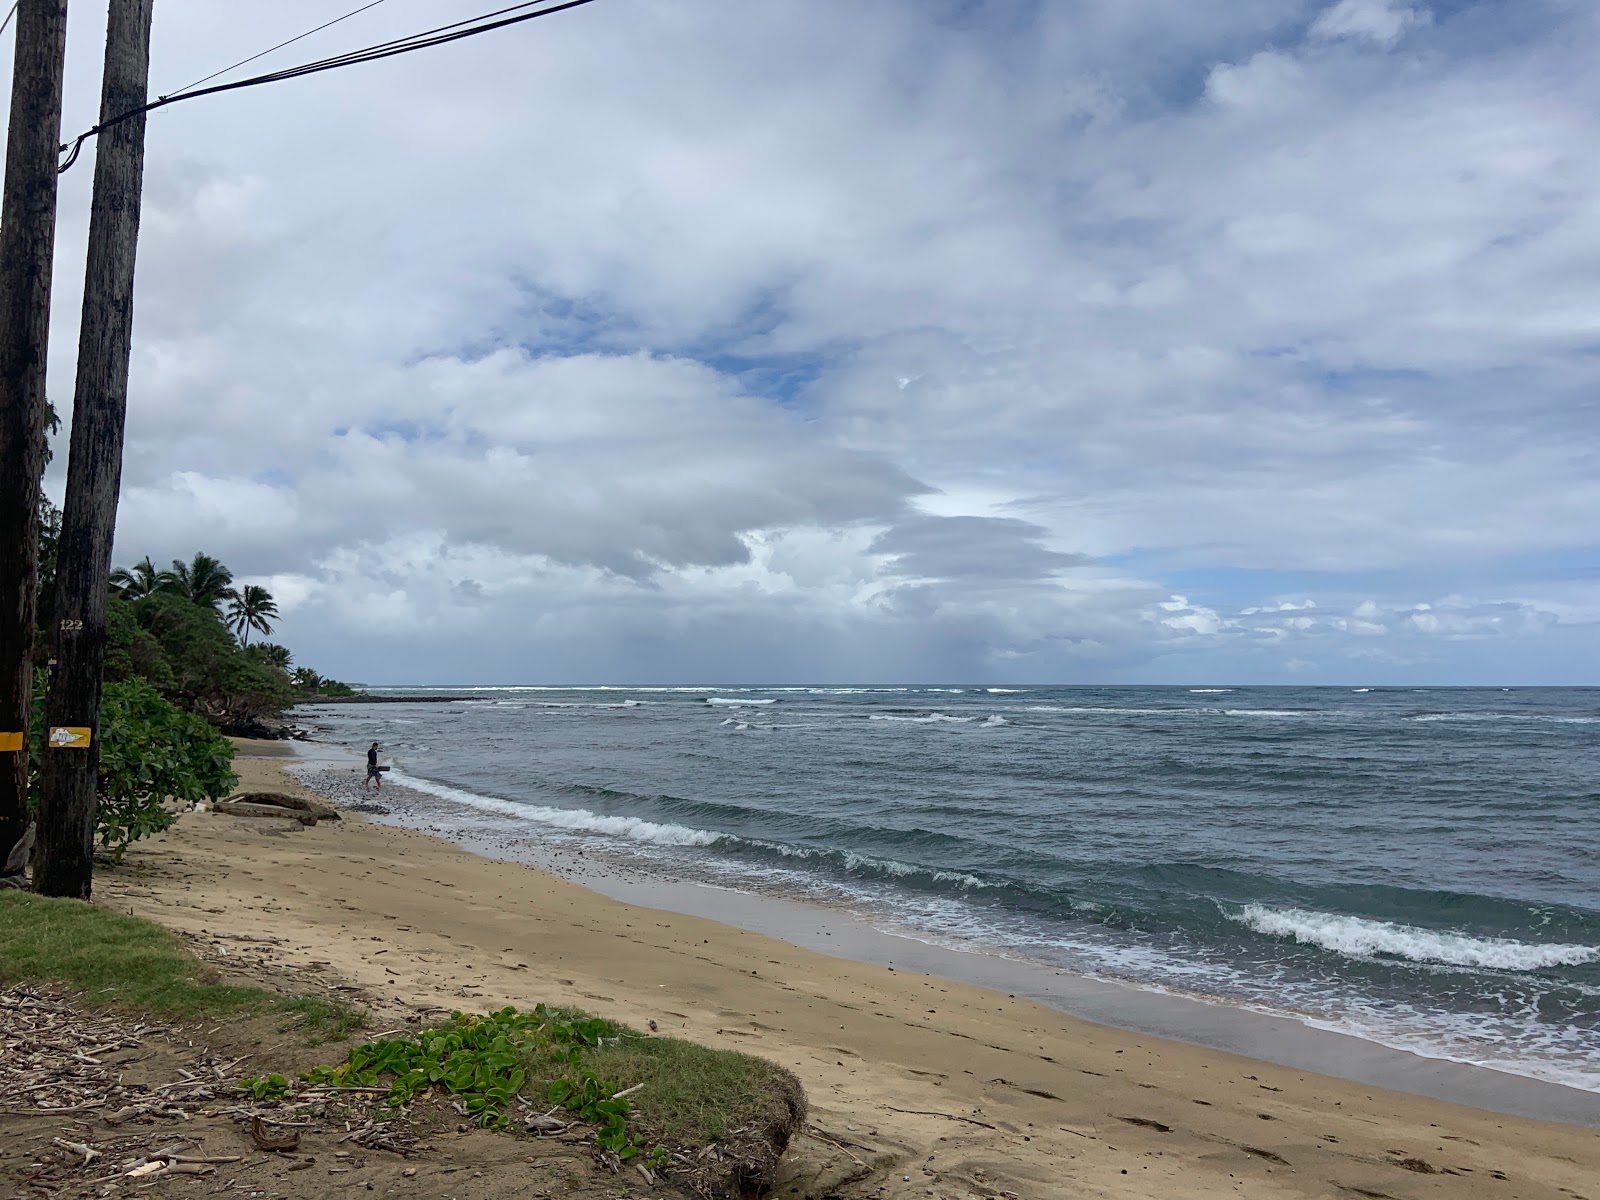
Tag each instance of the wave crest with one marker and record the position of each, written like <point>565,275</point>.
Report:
<point>1357,937</point>
<point>578,820</point>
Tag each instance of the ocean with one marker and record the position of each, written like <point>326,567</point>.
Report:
<point>1416,867</point>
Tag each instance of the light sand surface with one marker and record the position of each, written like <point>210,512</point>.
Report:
<point>938,1088</point>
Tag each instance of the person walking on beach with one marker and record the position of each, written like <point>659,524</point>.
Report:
<point>373,770</point>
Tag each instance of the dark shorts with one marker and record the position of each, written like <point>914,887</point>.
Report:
<point>372,771</point>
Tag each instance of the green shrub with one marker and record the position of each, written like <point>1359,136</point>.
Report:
<point>150,752</point>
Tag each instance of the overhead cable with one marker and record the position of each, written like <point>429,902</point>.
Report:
<point>279,46</point>
<point>455,32</point>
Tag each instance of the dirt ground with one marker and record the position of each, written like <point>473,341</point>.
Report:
<point>164,1093</point>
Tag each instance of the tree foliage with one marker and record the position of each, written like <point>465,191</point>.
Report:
<point>185,650</point>
<point>169,628</point>
<point>272,654</point>
<point>252,607</point>
<point>143,579</point>
<point>203,580</point>
<point>151,752</point>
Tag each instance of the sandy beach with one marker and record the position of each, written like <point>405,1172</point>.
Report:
<point>919,1086</point>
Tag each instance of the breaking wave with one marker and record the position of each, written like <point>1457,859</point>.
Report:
<point>578,820</point>
<point>1357,937</point>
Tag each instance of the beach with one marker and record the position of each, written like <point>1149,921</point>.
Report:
<point>919,1086</point>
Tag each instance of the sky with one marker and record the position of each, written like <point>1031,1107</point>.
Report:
<point>1076,341</point>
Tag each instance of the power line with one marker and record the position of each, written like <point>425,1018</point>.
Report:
<point>9,15</point>
<point>279,46</point>
<point>455,32</point>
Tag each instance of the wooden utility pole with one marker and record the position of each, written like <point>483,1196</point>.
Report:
<point>27,248</point>
<point>63,860</point>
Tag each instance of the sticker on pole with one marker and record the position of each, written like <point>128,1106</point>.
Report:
<point>68,737</point>
<point>11,741</point>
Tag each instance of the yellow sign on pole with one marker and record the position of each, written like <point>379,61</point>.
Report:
<point>10,741</point>
<point>68,737</point>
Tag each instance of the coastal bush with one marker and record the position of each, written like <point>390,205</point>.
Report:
<point>151,752</point>
<point>203,668</point>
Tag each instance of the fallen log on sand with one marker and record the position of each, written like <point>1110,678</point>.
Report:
<point>276,804</point>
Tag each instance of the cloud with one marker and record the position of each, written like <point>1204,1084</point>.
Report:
<point>1383,22</point>
<point>881,340</point>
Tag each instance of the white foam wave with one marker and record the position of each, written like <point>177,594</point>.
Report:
<point>586,704</point>
<point>930,719</point>
<point>1360,691</point>
<point>1118,712</point>
<point>1357,937</point>
<point>1542,718</point>
<point>885,866</point>
<point>1003,691</point>
<point>994,721</point>
<point>1266,712</point>
<point>726,702</point>
<point>578,820</point>
<point>1209,691</point>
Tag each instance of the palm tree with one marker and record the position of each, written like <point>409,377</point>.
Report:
<point>306,678</point>
<point>273,655</point>
<point>142,580</point>
<point>250,609</point>
<point>204,580</point>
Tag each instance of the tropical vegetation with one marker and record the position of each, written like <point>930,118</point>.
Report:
<point>152,753</point>
<point>180,672</point>
<point>251,607</point>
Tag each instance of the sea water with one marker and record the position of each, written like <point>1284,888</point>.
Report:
<point>1417,867</point>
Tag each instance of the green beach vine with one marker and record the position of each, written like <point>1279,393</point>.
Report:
<point>485,1062</point>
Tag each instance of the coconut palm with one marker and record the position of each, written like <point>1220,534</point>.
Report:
<point>142,579</point>
<point>273,655</point>
<point>306,679</point>
<point>250,609</point>
<point>204,580</point>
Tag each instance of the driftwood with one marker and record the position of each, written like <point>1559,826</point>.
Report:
<point>276,804</point>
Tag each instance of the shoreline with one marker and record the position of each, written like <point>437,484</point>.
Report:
<point>1280,1039</point>
<point>919,1086</point>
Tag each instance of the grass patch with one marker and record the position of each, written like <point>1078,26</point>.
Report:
<point>112,959</point>
<point>691,1094</point>
<point>118,961</point>
<point>325,1020</point>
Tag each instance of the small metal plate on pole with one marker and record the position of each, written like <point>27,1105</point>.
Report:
<point>68,737</point>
